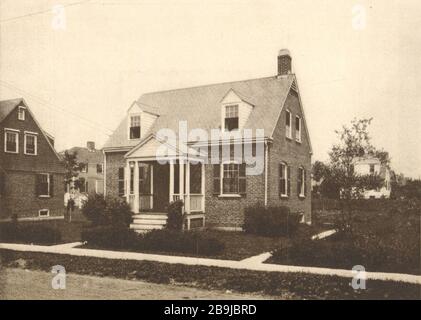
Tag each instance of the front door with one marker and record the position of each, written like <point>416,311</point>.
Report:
<point>161,189</point>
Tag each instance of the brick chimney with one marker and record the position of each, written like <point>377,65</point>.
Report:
<point>90,145</point>
<point>284,62</point>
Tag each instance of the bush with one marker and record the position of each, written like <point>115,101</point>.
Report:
<point>175,216</point>
<point>110,237</point>
<point>108,211</point>
<point>183,242</point>
<point>29,233</point>
<point>270,221</point>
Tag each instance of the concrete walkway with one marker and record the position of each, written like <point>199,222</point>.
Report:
<point>244,264</point>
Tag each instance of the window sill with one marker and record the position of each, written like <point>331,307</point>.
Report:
<point>301,196</point>
<point>289,138</point>
<point>12,152</point>
<point>229,196</point>
<point>284,196</point>
<point>298,141</point>
<point>29,154</point>
<point>44,196</point>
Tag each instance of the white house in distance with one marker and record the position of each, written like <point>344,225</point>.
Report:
<point>372,165</point>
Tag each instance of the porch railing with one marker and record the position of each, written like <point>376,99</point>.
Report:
<point>196,201</point>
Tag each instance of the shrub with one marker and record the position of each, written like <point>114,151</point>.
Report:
<point>175,216</point>
<point>29,233</point>
<point>270,221</point>
<point>110,237</point>
<point>183,242</point>
<point>106,211</point>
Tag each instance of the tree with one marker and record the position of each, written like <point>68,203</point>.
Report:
<point>72,167</point>
<point>354,142</point>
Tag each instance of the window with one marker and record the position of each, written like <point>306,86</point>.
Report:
<point>298,128</point>
<point>284,180</point>
<point>44,213</point>
<point>30,144</point>
<point>82,185</point>
<point>21,113</point>
<point>301,182</point>
<point>233,178</point>
<point>83,167</point>
<point>371,168</point>
<point>99,168</point>
<point>134,127</point>
<point>121,182</point>
<point>11,141</point>
<point>43,185</point>
<point>231,117</point>
<point>288,128</point>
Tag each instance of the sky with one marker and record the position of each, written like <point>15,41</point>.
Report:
<point>80,67</point>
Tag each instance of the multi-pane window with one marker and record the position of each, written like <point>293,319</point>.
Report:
<point>11,141</point>
<point>134,127</point>
<point>231,117</point>
<point>298,128</point>
<point>43,185</point>
<point>21,113</point>
<point>233,178</point>
<point>284,180</point>
<point>30,144</point>
<point>121,182</point>
<point>99,168</point>
<point>288,128</point>
<point>301,182</point>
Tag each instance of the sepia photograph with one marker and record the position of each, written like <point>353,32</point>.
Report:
<point>227,151</point>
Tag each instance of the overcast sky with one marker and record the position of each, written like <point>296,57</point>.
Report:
<point>80,77</point>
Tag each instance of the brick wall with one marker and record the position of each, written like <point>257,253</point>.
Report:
<point>19,196</point>
<point>114,160</point>
<point>295,155</point>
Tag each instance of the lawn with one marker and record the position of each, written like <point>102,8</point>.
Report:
<point>384,239</point>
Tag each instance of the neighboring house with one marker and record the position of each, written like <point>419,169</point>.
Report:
<point>214,194</point>
<point>91,175</point>
<point>371,165</point>
<point>31,174</point>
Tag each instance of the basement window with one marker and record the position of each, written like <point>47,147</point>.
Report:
<point>44,213</point>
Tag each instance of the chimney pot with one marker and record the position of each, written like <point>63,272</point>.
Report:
<point>284,62</point>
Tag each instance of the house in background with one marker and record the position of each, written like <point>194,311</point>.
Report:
<point>91,175</point>
<point>372,165</point>
<point>31,174</point>
<point>214,195</point>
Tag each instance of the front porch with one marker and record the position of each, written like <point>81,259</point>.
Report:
<point>151,186</point>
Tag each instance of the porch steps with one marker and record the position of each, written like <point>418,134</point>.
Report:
<point>146,222</point>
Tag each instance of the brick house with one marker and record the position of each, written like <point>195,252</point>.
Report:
<point>31,174</point>
<point>91,175</point>
<point>215,193</point>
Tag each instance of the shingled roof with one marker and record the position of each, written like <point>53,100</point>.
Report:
<point>201,106</point>
<point>6,106</point>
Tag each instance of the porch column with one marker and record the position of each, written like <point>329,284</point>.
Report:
<point>127,184</point>
<point>151,196</point>
<point>181,180</point>
<point>202,189</point>
<point>187,201</point>
<point>171,180</point>
<point>136,187</point>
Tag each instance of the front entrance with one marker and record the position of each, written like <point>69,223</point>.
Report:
<point>161,191</point>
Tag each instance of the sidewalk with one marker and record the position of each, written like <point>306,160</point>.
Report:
<point>253,263</point>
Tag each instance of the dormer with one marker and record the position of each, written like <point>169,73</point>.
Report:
<point>235,111</point>
<point>139,121</point>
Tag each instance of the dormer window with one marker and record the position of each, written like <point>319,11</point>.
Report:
<point>231,117</point>
<point>21,113</point>
<point>134,130</point>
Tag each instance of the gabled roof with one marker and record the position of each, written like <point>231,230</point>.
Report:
<point>7,106</point>
<point>200,107</point>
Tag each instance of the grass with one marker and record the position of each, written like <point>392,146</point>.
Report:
<point>280,285</point>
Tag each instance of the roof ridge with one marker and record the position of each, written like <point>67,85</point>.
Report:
<point>206,85</point>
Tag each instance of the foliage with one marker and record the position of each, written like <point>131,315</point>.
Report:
<point>409,189</point>
<point>105,211</point>
<point>71,165</point>
<point>110,236</point>
<point>175,216</point>
<point>28,233</point>
<point>270,221</point>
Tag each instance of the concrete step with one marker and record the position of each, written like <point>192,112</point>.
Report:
<point>149,221</point>
<point>151,216</point>
<point>145,227</point>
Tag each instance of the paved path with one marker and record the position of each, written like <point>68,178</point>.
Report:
<point>210,262</point>
<point>30,284</point>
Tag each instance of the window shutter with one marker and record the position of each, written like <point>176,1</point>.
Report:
<point>289,180</point>
<point>51,185</point>
<point>305,182</point>
<point>216,179</point>
<point>37,184</point>
<point>299,181</point>
<point>280,179</point>
<point>242,179</point>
